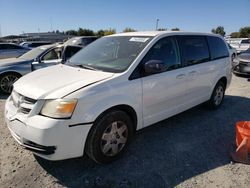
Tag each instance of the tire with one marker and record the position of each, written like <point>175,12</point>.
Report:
<point>217,96</point>
<point>6,82</point>
<point>109,137</point>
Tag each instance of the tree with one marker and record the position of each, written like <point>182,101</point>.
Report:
<point>235,35</point>
<point>128,29</point>
<point>162,29</point>
<point>175,29</point>
<point>245,32</point>
<point>219,30</point>
<point>71,32</point>
<point>100,33</point>
<point>85,32</point>
<point>109,31</point>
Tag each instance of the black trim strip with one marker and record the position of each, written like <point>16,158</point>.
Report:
<point>78,124</point>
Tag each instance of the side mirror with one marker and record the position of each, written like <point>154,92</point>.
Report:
<point>154,66</point>
<point>38,60</point>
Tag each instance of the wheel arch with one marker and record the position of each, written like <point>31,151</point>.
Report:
<point>223,80</point>
<point>125,108</point>
<point>10,72</point>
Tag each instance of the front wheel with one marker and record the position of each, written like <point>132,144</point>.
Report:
<point>217,95</point>
<point>109,137</point>
<point>6,82</point>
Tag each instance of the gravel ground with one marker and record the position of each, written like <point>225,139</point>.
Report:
<point>191,149</point>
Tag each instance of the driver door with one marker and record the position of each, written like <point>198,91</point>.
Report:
<point>52,57</point>
<point>164,94</point>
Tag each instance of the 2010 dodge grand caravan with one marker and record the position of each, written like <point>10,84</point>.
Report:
<point>94,103</point>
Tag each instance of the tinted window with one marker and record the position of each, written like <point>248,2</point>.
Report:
<point>165,50</point>
<point>14,47</point>
<point>86,41</point>
<point>218,48</point>
<point>194,49</point>
<point>245,41</point>
<point>70,51</point>
<point>9,47</point>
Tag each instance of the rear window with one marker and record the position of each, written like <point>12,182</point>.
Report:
<point>10,47</point>
<point>245,41</point>
<point>194,49</point>
<point>218,48</point>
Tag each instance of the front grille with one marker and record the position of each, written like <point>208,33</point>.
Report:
<point>22,103</point>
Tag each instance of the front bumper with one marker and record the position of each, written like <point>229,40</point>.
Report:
<point>48,138</point>
<point>242,70</point>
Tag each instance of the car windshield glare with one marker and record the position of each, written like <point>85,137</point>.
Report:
<point>110,54</point>
<point>32,54</point>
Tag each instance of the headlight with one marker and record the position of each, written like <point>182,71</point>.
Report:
<point>59,108</point>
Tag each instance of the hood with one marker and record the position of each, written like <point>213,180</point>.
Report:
<point>57,81</point>
<point>245,57</point>
<point>11,62</point>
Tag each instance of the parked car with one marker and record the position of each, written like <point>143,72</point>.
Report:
<point>118,84</point>
<point>233,52</point>
<point>82,41</point>
<point>34,44</point>
<point>242,64</point>
<point>9,50</point>
<point>13,68</point>
<point>243,45</point>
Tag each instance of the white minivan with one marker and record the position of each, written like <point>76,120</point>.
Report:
<point>118,84</point>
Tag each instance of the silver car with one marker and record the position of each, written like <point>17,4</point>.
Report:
<point>13,68</point>
<point>9,50</point>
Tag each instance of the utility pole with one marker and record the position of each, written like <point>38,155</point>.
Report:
<point>0,31</point>
<point>51,26</point>
<point>157,22</point>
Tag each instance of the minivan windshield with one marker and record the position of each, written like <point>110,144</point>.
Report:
<point>32,54</point>
<point>110,54</point>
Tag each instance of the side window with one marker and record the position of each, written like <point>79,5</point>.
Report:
<point>14,47</point>
<point>86,41</point>
<point>165,50</point>
<point>217,47</point>
<point>55,53</point>
<point>194,49</point>
<point>70,51</point>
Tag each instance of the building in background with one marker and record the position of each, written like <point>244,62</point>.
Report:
<point>45,36</point>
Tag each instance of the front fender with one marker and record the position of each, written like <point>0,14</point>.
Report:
<point>85,114</point>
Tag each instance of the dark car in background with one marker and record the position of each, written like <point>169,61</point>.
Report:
<point>9,50</point>
<point>241,66</point>
<point>34,44</point>
<point>13,68</point>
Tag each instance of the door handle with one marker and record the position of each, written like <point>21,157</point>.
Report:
<point>180,76</point>
<point>192,73</point>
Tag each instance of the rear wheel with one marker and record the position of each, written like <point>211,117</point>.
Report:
<point>217,95</point>
<point>6,82</point>
<point>109,137</point>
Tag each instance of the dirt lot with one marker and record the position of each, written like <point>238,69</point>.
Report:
<point>188,150</point>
